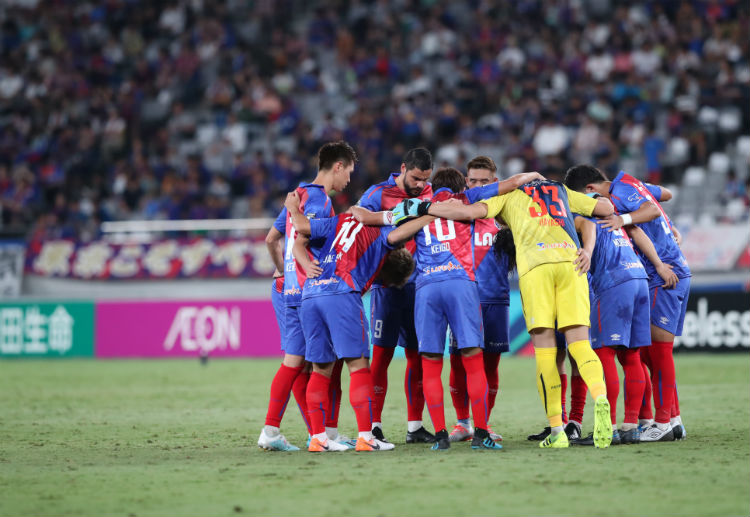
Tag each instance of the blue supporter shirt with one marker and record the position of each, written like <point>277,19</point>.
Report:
<point>614,260</point>
<point>314,203</point>
<point>628,194</point>
<point>351,256</point>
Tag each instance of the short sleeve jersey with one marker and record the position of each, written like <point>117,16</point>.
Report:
<point>628,194</point>
<point>385,196</point>
<point>614,260</point>
<point>351,256</point>
<point>444,247</point>
<point>314,203</point>
<point>540,215</point>
<point>490,270</point>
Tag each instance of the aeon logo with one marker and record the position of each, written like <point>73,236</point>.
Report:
<point>205,328</point>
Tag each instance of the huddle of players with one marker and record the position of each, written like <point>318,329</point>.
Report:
<point>461,282</point>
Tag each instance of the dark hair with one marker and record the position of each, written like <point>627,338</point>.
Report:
<point>418,158</point>
<point>579,176</point>
<point>482,162</point>
<point>504,245</point>
<point>448,177</point>
<point>333,152</point>
<point>397,267</point>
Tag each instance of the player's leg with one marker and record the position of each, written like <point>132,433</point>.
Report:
<point>281,385</point>
<point>667,313</point>
<point>495,319</point>
<point>334,404</point>
<point>646,412</point>
<point>431,325</point>
<point>413,376</point>
<point>385,321</point>
<point>463,430</point>
<point>570,429</point>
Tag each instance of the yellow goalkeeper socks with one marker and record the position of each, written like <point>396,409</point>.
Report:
<point>589,367</point>
<point>548,384</point>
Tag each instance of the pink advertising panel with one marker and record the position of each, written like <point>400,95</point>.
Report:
<point>225,328</point>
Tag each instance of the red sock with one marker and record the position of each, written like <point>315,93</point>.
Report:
<point>299,388</point>
<point>606,355</point>
<point>459,395</point>
<point>634,382</point>
<point>413,386</point>
<point>360,395</point>
<point>317,401</point>
<point>578,392</point>
<point>491,362</point>
<point>433,391</point>
<point>563,394</point>
<point>381,358</point>
<point>646,413</point>
<point>281,387</point>
<point>476,385</point>
<point>662,379</point>
<point>675,402</point>
<point>334,395</point>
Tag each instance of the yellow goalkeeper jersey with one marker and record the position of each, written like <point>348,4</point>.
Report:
<point>540,215</point>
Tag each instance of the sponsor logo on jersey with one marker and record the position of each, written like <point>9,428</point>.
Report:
<point>555,245</point>
<point>324,281</point>
<point>631,265</point>
<point>292,291</point>
<point>622,243</point>
<point>442,268</point>
<point>634,197</point>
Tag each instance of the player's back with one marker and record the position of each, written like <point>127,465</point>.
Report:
<point>444,247</point>
<point>540,216</point>
<point>628,194</point>
<point>491,270</point>
<point>614,260</point>
<point>314,203</point>
<point>350,257</point>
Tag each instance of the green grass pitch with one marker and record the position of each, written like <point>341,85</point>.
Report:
<point>139,438</point>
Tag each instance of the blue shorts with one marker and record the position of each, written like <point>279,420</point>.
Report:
<point>620,316</point>
<point>495,321</point>
<point>392,317</point>
<point>335,327</point>
<point>668,306</point>
<point>294,339</point>
<point>450,302</point>
<point>277,300</point>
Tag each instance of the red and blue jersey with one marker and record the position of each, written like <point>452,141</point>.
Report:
<point>314,203</point>
<point>351,256</point>
<point>385,196</point>
<point>628,194</point>
<point>614,260</point>
<point>490,270</point>
<point>444,247</point>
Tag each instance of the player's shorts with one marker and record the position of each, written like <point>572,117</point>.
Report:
<point>554,292</point>
<point>392,317</point>
<point>294,339</point>
<point>450,302</point>
<point>495,322</point>
<point>620,316</point>
<point>668,306</point>
<point>335,327</point>
<point>277,300</point>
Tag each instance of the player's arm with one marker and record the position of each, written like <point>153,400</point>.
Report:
<point>516,181</point>
<point>453,209</point>
<point>407,230</point>
<point>369,218</point>
<point>587,229</point>
<point>300,222</point>
<point>603,208</point>
<point>648,211</point>
<point>274,243</point>
<point>584,205</point>
<point>644,244</point>
<point>677,235</point>
<point>299,250</point>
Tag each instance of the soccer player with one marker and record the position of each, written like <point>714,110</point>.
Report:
<point>491,270</point>
<point>446,294</point>
<point>636,204</point>
<point>333,314</point>
<point>552,291</point>
<point>391,308</point>
<point>335,164</point>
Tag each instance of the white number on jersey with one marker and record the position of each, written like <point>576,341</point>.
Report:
<point>347,234</point>
<point>439,233</point>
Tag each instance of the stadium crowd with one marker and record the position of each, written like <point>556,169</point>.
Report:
<point>128,109</point>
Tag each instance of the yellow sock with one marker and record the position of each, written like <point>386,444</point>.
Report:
<point>548,384</point>
<point>589,366</point>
